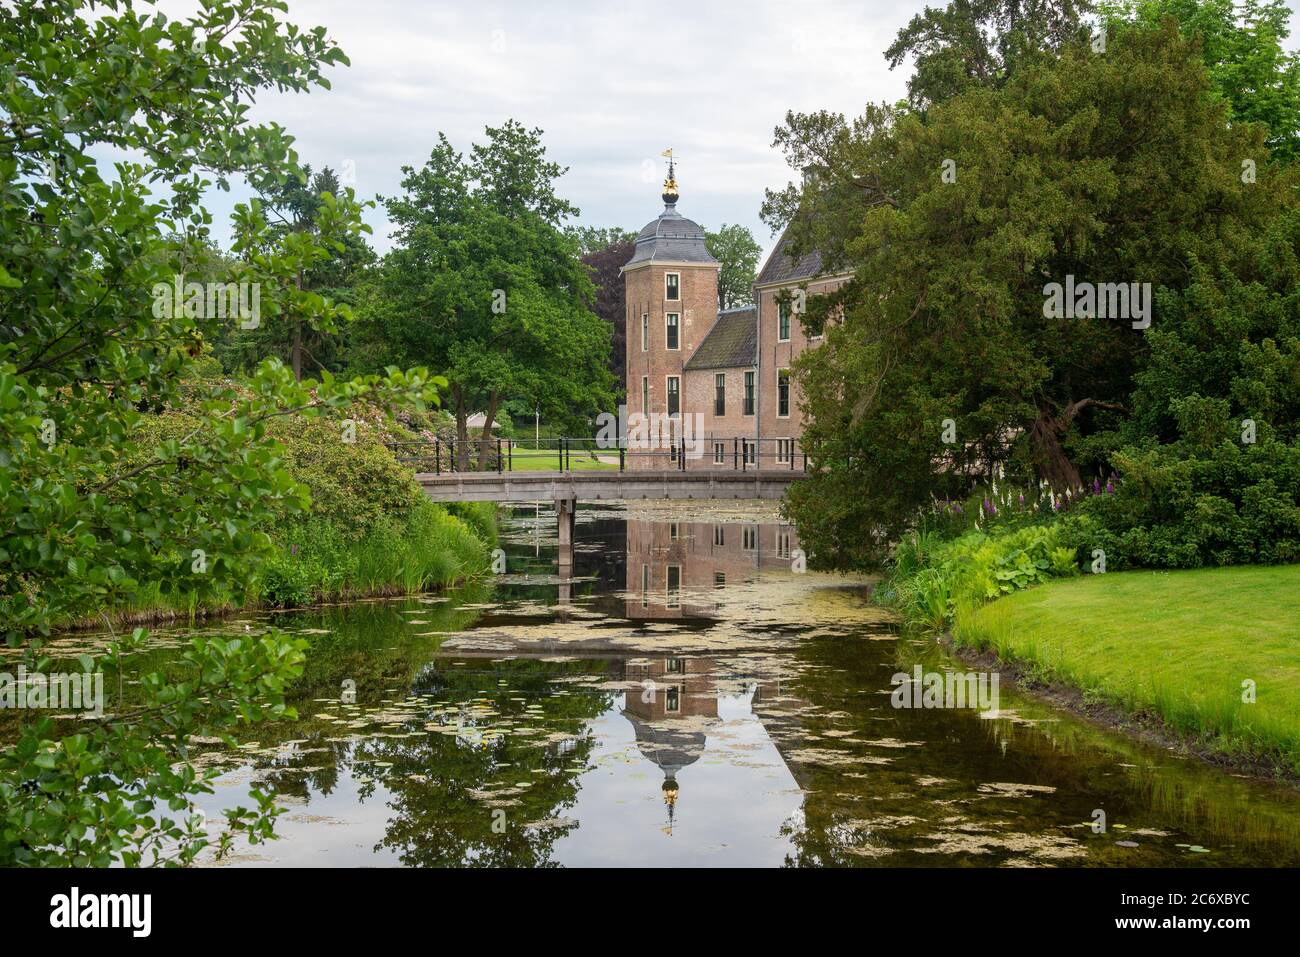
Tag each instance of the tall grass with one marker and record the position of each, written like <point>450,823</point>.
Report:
<point>318,562</point>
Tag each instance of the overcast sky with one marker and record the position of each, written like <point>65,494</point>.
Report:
<point>612,85</point>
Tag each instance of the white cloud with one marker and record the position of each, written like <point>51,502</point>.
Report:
<point>611,84</point>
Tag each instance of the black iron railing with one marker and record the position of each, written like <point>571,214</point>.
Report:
<point>732,453</point>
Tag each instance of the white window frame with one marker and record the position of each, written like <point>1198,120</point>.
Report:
<point>719,453</point>
<point>784,451</point>
<point>678,327</point>
<point>782,306</point>
<point>668,298</point>
<point>788,394</point>
<point>645,395</point>
<point>645,332</point>
<point>750,395</point>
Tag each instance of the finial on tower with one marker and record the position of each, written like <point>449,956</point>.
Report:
<point>670,184</point>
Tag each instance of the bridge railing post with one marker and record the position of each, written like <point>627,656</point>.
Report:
<point>499,464</point>
<point>622,456</point>
<point>437,457</point>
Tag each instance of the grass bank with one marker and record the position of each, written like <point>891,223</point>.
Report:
<point>367,529</point>
<point>1183,647</point>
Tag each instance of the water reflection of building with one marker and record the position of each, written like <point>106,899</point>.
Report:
<point>672,705</point>
<point>672,566</point>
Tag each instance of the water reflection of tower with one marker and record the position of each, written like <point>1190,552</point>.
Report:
<point>672,705</point>
<point>677,569</point>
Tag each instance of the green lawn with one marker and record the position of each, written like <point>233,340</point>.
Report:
<point>548,460</point>
<point>1175,644</point>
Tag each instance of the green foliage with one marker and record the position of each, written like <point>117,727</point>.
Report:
<point>931,579</point>
<point>1241,46</point>
<point>93,513</point>
<point>735,247</point>
<point>484,283</point>
<point>1114,167</point>
<point>120,792</point>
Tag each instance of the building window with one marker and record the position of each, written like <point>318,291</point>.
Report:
<point>645,586</point>
<point>673,700</point>
<point>719,579</point>
<point>783,320</point>
<point>645,395</point>
<point>749,393</point>
<point>670,322</point>
<point>783,393</point>
<point>674,531</point>
<point>720,394</point>
<point>672,287</point>
<point>751,453</point>
<point>749,538</point>
<point>719,453</point>
<point>782,544</point>
<point>719,535</point>
<point>674,397</point>
<point>645,331</point>
<point>784,450</point>
<point>674,589</point>
<point>674,666</point>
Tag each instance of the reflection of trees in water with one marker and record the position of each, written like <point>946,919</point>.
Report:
<point>441,816</point>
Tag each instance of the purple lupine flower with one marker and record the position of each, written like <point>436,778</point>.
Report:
<point>1110,487</point>
<point>1022,499</point>
<point>1096,486</point>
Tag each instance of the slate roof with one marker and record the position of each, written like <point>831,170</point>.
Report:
<point>731,343</point>
<point>781,267</point>
<point>671,238</point>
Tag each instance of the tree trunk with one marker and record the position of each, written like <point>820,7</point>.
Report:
<point>1049,457</point>
<point>1045,440</point>
<point>485,448</point>
<point>462,430</point>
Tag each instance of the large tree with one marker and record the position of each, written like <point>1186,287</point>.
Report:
<point>605,264</point>
<point>735,247</point>
<point>484,284</point>
<point>1241,46</point>
<point>980,43</point>
<point>1110,168</point>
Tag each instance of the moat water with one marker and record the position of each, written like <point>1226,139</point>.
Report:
<point>687,697</point>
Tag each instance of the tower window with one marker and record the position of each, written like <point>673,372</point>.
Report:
<point>645,395</point>
<point>671,325</point>
<point>674,396</point>
<point>749,393</point>
<point>672,286</point>
<point>645,331</point>
<point>720,394</point>
<point>783,321</point>
<point>783,393</point>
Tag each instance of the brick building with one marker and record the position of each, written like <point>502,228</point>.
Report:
<point>725,370</point>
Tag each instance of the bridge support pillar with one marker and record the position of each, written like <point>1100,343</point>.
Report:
<point>566,513</point>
